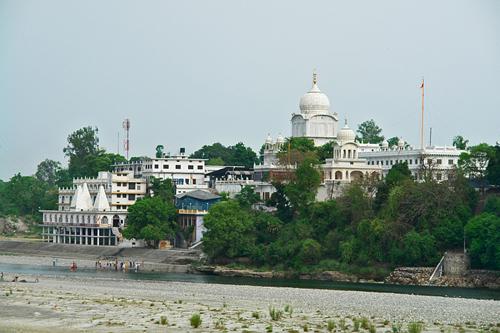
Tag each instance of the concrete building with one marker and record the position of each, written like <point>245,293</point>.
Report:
<point>188,174</point>
<point>122,189</point>
<point>191,209</point>
<point>435,161</point>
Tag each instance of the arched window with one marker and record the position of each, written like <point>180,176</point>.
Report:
<point>338,175</point>
<point>116,221</point>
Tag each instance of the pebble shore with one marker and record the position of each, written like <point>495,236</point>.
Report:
<point>62,304</point>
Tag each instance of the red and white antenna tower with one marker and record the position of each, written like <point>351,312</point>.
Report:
<point>126,143</point>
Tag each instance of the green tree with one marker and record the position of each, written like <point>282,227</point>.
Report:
<point>483,238</point>
<point>493,168</point>
<point>460,143</point>
<point>230,231</point>
<point>26,195</point>
<point>310,252</point>
<point>369,132</point>
<point>398,174</point>
<point>218,154</point>
<point>216,161</point>
<point>242,156</point>
<point>82,149</point>
<point>151,219</point>
<point>474,162</point>
<point>419,249</point>
<point>301,190</point>
<point>159,151</point>
<point>247,197</point>
<point>47,171</point>
<point>325,151</point>
<point>164,189</point>
<point>393,141</point>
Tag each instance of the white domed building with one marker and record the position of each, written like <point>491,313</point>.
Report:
<point>315,121</point>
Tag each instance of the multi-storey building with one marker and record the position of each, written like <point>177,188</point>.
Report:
<point>433,161</point>
<point>188,174</point>
<point>122,189</point>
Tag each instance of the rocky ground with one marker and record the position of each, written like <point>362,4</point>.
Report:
<point>62,304</point>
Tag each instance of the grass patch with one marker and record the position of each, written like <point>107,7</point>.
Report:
<point>415,327</point>
<point>275,314</point>
<point>256,315</point>
<point>330,325</point>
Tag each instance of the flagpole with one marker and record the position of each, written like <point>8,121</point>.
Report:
<point>422,119</point>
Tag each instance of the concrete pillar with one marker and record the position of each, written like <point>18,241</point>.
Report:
<point>98,238</point>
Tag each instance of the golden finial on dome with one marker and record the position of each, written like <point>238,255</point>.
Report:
<point>315,77</point>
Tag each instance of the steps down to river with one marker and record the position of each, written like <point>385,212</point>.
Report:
<point>30,248</point>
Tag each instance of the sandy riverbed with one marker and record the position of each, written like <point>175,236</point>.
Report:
<point>68,304</point>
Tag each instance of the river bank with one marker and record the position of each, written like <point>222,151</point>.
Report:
<point>61,304</point>
<point>152,260</point>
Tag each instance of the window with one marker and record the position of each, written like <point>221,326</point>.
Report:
<point>131,186</point>
<point>177,166</point>
<point>429,161</point>
<point>194,181</point>
<point>416,161</point>
<point>439,176</point>
<point>391,162</point>
<point>450,162</point>
<point>156,166</point>
<point>190,167</point>
<point>131,196</point>
<point>200,167</point>
<point>439,161</point>
<point>411,162</point>
<point>187,181</point>
<point>165,166</point>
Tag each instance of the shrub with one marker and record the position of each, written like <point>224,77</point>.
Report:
<point>330,325</point>
<point>256,315</point>
<point>372,329</point>
<point>195,320</point>
<point>275,314</point>
<point>365,323</point>
<point>355,322</point>
<point>163,320</point>
<point>415,327</point>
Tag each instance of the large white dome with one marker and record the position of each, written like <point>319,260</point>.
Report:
<point>314,101</point>
<point>346,134</point>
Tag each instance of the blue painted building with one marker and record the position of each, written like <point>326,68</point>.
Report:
<point>191,208</point>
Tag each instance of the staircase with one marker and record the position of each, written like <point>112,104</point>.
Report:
<point>438,271</point>
<point>117,233</point>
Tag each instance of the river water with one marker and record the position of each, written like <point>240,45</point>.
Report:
<point>293,283</point>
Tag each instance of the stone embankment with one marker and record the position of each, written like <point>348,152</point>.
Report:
<point>421,275</point>
<point>173,260</point>
<point>324,276</point>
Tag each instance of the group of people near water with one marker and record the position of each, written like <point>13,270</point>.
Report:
<point>116,265</point>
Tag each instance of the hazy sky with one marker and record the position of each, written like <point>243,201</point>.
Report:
<point>189,73</point>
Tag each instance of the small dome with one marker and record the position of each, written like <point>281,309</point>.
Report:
<point>346,134</point>
<point>314,100</point>
<point>385,144</point>
<point>401,143</point>
<point>280,139</point>
<point>269,139</point>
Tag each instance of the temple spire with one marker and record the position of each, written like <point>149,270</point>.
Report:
<point>315,77</point>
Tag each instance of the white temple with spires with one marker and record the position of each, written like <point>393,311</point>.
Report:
<point>94,210</point>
